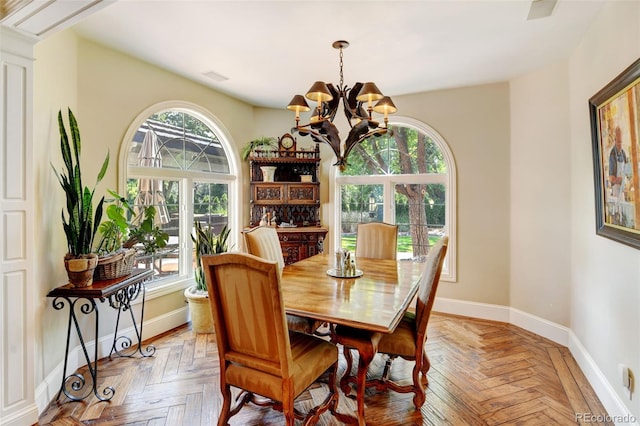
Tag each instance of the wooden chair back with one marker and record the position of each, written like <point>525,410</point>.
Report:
<point>263,241</point>
<point>428,287</point>
<point>377,240</point>
<point>257,353</point>
<point>249,318</point>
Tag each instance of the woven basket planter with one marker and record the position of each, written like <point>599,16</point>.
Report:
<point>116,265</point>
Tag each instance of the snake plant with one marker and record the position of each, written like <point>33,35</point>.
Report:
<point>80,223</point>
<point>207,242</point>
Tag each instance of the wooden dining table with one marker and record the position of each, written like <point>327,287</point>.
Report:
<point>374,302</point>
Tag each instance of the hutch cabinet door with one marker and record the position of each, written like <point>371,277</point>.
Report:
<point>302,193</point>
<point>268,193</point>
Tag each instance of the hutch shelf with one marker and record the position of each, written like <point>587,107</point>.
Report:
<point>290,201</point>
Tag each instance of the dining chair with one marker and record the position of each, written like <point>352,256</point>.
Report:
<point>376,240</point>
<point>408,339</point>
<point>258,354</point>
<point>263,241</point>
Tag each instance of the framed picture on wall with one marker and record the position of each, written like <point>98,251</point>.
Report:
<point>615,122</point>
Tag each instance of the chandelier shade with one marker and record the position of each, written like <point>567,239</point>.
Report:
<point>369,93</point>
<point>298,105</point>
<point>357,106</point>
<point>319,92</point>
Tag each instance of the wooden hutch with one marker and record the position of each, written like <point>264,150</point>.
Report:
<point>292,198</point>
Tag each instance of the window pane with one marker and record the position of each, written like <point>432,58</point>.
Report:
<point>360,203</point>
<point>210,206</point>
<point>405,151</point>
<point>181,142</point>
<point>420,215</point>
<point>164,196</point>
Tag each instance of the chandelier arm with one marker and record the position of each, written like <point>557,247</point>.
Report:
<point>358,134</point>
<point>353,104</point>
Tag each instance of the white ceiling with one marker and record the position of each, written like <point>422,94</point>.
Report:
<point>271,50</point>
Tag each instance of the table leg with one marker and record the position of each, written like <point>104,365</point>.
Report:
<point>75,386</point>
<point>364,359</point>
<point>121,300</point>
<point>367,346</point>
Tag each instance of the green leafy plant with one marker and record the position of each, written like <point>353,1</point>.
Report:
<point>81,223</point>
<point>119,232</point>
<point>263,142</point>
<point>207,242</point>
<point>114,231</point>
<point>148,233</point>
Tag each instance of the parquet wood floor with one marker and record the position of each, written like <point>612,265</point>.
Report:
<point>482,373</point>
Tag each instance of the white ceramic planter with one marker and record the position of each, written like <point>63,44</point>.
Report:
<point>201,317</point>
<point>268,173</point>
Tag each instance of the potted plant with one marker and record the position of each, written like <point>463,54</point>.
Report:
<point>81,222</point>
<point>261,143</point>
<point>119,235</point>
<point>147,233</point>
<point>205,242</point>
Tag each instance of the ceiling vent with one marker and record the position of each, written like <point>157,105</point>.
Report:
<point>541,9</point>
<point>215,76</point>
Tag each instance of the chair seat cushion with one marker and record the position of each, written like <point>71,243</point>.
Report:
<point>402,341</point>
<point>356,338</point>
<point>311,357</point>
<point>302,324</point>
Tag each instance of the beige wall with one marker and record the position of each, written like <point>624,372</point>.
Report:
<point>540,194</point>
<point>605,275</point>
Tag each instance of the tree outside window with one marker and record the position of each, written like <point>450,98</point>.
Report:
<point>400,178</point>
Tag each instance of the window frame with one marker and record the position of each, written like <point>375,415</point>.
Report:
<point>449,272</point>
<point>186,179</point>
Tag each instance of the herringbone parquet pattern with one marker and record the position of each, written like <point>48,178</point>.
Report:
<point>482,373</point>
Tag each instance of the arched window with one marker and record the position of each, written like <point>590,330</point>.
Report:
<point>406,178</point>
<point>178,160</point>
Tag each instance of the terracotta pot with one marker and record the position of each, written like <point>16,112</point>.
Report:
<point>201,317</point>
<point>80,269</point>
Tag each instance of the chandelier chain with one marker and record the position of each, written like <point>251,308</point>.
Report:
<point>341,75</point>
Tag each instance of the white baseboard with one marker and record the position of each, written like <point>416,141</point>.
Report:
<point>616,409</point>
<point>26,416</point>
<point>49,388</point>
<point>471,309</point>
<point>610,399</point>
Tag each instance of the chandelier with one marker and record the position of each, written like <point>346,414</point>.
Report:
<point>358,108</point>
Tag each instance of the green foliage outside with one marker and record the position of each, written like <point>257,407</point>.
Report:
<point>418,207</point>
<point>405,244</point>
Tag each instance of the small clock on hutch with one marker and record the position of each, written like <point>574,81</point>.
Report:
<point>287,145</point>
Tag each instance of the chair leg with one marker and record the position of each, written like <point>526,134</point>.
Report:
<point>226,406</point>
<point>418,389</point>
<point>288,408</point>
<point>344,381</point>
<point>426,366</point>
<point>387,368</point>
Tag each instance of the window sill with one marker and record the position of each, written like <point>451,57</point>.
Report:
<point>171,286</point>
